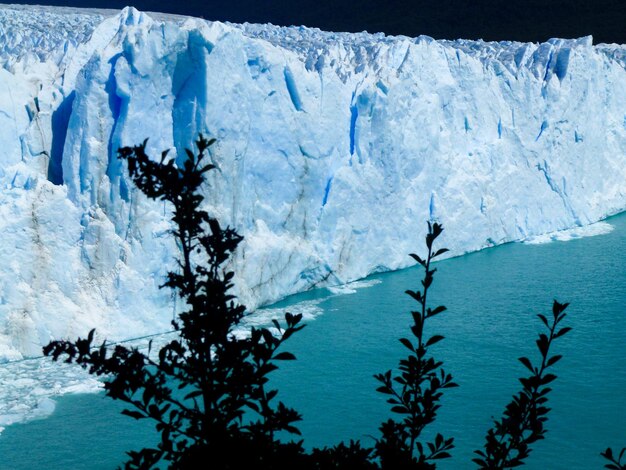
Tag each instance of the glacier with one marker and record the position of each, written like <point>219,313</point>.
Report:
<point>334,149</point>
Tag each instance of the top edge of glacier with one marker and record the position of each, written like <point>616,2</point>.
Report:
<point>52,30</point>
<point>286,35</point>
<point>102,12</point>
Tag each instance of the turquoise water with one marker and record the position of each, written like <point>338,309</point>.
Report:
<point>492,297</point>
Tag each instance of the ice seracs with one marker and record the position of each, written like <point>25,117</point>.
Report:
<point>333,151</point>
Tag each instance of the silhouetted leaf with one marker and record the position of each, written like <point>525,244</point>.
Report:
<point>436,311</point>
<point>553,360</point>
<point>527,363</point>
<point>284,356</point>
<point>133,414</point>
<point>399,409</point>
<point>546,379</point>
<point>407,344</point>
<point>417,258</point>
<point>416,295</point>
<point>543,344</point>
<point>433,340</point>
<point>562,331</point>
<point>558,308</point>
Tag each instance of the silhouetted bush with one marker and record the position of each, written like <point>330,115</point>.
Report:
<point>207,390</point>
<point>507,443</point>
<point>416,391</point>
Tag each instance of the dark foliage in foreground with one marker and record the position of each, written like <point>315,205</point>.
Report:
<point>507,443</point>
<point>207,392</point>
<point>415,392</point>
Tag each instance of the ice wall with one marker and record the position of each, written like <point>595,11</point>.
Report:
<point>333,151</point>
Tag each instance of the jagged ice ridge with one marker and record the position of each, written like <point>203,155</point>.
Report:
<point>333,151</point>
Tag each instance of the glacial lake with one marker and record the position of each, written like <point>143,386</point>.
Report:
<point>492,297</point>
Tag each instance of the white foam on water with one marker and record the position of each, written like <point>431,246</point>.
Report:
<point>599,228</point>
<point>352,287</point>
<point>309,309</point>
<point>28,388</point>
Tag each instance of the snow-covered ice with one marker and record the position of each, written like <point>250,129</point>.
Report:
<point>333,152</point>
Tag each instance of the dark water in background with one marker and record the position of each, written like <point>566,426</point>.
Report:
<point>492,297</point>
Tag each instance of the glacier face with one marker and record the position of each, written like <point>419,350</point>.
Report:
<point>333,151</point>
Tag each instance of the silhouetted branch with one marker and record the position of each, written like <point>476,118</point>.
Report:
<point>507,443</point>
<point>615,462</point>
<point>207,390</point>
<point>416,392</point>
